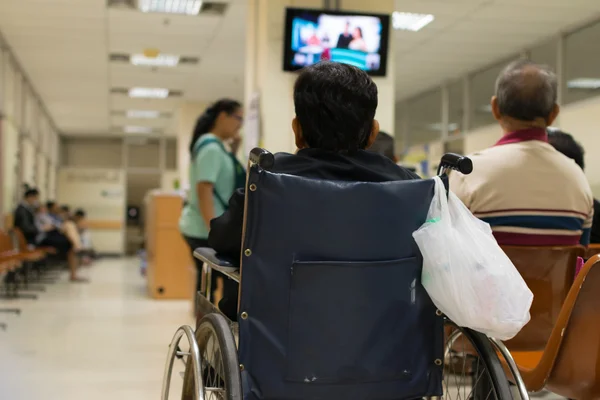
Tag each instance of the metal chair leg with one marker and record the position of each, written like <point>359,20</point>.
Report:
<point>194,353</point>
<point>513,367</point>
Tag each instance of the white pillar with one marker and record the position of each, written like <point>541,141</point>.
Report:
<point>187,114</point>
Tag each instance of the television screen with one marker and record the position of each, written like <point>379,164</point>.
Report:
<point>356,39</point>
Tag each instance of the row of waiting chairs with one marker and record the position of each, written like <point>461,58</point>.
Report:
<point>23,270</point>
<point>559,349</point>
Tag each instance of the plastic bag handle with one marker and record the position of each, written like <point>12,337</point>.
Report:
<point>442,196</point>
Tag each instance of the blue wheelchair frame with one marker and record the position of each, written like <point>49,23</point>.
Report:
<point>333,312</point>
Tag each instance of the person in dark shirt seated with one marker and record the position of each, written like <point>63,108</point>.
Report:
<point>335,123</point>
<point>567,145</point>
<point>24,216</point>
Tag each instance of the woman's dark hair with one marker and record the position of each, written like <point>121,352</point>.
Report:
<point>207,120</point>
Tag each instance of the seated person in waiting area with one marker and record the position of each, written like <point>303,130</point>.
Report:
<point>528,192</point>
<point>24,215</point>
<point>567,145</point>
<point>335,109</point>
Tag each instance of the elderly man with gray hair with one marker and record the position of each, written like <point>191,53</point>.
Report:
<point>528,192</point>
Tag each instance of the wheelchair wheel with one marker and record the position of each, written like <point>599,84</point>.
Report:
<point>219,364</point>
<point>472,369</point>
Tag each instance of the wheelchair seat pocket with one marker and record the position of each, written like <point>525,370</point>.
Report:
<point>359,322</point>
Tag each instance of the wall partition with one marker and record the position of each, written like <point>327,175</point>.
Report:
<point>458,113</point>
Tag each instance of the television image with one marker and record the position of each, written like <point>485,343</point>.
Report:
<point>356,39</point>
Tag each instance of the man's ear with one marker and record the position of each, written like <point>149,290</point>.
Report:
<point>374,133</point>
<point>300,142</point>
<point>553,115</point>
<point>495,108</point>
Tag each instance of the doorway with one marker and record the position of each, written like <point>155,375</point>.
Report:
<point>138,186</point>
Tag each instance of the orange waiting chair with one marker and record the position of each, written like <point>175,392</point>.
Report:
<point>559,349</point>
<point>592,250</point>
<point>10,260</point>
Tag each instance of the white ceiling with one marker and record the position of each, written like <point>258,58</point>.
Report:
<point>64,47</point>
<point>468,35</point>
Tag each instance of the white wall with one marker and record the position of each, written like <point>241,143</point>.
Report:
<point>101,193</point>
<point>581,120</point>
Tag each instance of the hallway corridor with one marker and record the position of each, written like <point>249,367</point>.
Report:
<point>102,340</point>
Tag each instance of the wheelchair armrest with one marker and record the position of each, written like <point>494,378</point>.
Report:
<point>218,263</point>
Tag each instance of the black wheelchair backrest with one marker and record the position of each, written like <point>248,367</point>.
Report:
<point>331,303</point>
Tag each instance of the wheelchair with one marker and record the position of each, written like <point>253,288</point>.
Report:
<point>330,304</point>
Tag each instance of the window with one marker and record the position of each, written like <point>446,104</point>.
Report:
<point>143,153</point>
<point>482,89</point>
<point>582,69</point>
<point>425,118</point>
<point>171,158</point>
<point>91,152</point>
<point>455,115</point>
<point>546,54</point>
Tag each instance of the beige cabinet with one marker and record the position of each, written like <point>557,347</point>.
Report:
<point>170,272</point>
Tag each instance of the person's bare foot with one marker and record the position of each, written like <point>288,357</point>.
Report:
<point>78,279</point>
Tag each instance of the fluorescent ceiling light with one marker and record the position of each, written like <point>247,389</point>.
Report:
<point>187,7</point>
<point>584,83</point>
<point>143,114</point>
<point>162,60</point>
<point>410,21</point>
<point>149,93</point>
<point>137,129</point>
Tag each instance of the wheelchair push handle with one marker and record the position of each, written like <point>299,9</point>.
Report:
<point>459,163</point>
<point>261,157</point>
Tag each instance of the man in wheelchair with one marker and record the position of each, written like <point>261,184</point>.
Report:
<point>331,303</point>
<point>335,123</point>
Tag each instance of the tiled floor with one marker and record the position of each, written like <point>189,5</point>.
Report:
<point>97,341</point>
<point>102,340</point>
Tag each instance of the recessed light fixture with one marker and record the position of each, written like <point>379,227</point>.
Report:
<point>149,93</point>
<point>161,60</point>
<point>137,129</point>
<point>584,83</point>
<point>143,114</point>
<point>187,7</point>
<point>410,21</point>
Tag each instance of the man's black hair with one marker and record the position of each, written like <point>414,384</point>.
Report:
<point>50,205</point>
<point>335,106</point>
<point>566,144</point>
<point>79,213</point>
<point>31,192</point>
<point>526,91</point>
<point>65,208</point>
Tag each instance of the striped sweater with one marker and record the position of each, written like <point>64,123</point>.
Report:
<point>528,192</point>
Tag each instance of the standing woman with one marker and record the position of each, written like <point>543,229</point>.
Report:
<point>214,174</point>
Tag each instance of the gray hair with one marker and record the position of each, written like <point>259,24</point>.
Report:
<point>526,91</point>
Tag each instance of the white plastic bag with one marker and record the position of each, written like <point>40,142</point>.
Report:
<point>466,273</point>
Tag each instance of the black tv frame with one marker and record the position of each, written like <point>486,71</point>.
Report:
<point>291,12</point>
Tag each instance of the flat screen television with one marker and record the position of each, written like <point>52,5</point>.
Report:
<point>356,39</point>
